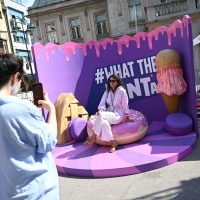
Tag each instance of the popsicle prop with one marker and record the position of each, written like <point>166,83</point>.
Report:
<point>171,83</point>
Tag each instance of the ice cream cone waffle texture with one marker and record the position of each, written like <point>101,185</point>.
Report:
<point>171,102</point>
<point>171,83</point>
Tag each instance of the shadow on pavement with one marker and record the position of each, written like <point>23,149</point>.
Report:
<point>188,190</point>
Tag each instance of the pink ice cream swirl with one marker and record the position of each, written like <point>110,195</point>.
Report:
<point>171,81</point>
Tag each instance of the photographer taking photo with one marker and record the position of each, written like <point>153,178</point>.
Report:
<point>27,168</point>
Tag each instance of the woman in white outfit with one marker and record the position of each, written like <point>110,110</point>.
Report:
<point>111,110</point>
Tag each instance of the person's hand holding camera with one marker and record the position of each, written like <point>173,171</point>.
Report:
<point>46,103</point>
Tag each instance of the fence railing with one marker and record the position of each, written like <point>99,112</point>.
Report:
<point>170,8</point>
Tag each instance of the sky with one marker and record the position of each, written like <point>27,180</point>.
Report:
<point>27,3</point>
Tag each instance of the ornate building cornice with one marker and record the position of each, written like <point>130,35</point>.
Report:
<point>43,7</point>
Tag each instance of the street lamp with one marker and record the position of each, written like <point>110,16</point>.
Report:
<point>16,28</point>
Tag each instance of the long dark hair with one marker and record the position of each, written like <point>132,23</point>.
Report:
<point>9,65</point>
<point>118,79</point>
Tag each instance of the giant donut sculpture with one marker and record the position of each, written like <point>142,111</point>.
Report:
<point>125,132</point>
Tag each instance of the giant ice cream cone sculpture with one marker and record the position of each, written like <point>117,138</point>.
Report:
<point>171,83</point>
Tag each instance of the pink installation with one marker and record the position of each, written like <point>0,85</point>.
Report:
<point>83,69</point>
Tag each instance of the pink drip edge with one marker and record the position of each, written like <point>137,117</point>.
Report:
<point>123,40</point>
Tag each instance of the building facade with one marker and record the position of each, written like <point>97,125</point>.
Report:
<point>61,21</point>
<point>165,12</point>
<point>20,41</point>
<point>5,40</point>
<point>84,20</point>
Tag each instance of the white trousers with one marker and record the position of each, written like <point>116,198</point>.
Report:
<point>102,124</point>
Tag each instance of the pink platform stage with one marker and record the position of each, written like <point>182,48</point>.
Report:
<point>157,149</point>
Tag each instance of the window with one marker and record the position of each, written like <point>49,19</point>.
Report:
<point>23,54</point>
<point>17,14</point>
<point>197,3</point>
<point>3,46</point>
<point>51,33</point>
<point>75,29</point>
<point>165,1</point>
<point>20,37</point>
<point>32,38</point>
<point>135,10</point>
<point>100,20</point>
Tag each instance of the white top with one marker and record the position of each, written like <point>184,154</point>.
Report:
<point>117,102</point>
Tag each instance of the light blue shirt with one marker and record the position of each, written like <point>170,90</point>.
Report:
<point>27,168</point>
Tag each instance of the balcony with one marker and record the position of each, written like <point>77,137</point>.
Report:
<point>170,8</point>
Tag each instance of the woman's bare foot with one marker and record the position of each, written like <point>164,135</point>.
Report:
<point>113,147</point>
<point>90,140</point>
